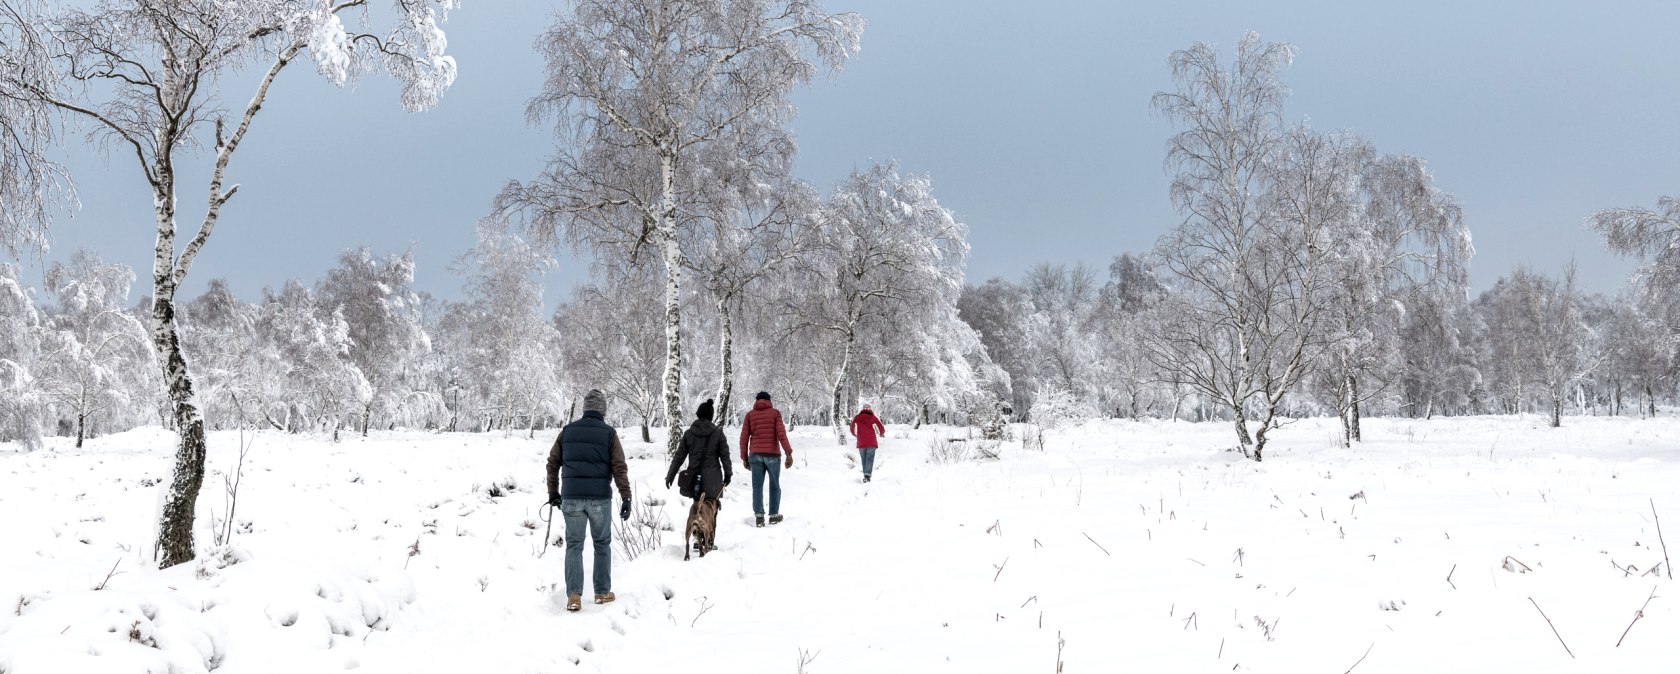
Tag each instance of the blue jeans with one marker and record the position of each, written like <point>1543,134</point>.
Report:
<point>762,464</point>
<point>596,513</point>
<point>867,456</point>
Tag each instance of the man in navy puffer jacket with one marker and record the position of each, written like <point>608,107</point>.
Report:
<point>584,463</point>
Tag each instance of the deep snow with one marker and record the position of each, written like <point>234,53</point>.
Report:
<point>1122,546</point>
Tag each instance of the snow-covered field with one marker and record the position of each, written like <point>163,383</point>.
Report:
<point>1121,547</point>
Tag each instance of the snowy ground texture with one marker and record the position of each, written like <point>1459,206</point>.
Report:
<point>1120,547</point>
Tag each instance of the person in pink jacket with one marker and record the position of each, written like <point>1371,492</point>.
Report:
<point>866,426</point>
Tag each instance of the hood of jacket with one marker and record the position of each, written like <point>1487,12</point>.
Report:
<point>702,427</point>
<point>761,405</point>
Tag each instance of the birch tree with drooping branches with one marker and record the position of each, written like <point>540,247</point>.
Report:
<point>651,99</point>
<point>885,245</point>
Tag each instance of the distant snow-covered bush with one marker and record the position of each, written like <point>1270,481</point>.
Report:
<point>957,450</point>
<point>1055,407</point>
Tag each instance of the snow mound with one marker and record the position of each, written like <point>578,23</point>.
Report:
<point>228,609</point>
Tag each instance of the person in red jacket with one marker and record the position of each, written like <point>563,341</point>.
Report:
<point>763,437</point>
<point>865,426</point>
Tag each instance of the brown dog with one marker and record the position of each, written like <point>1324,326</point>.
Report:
<point>702,525</point>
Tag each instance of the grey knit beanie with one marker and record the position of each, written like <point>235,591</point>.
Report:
<point>595,401</point>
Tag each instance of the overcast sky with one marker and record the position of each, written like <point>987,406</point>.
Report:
<point>1032,119</point>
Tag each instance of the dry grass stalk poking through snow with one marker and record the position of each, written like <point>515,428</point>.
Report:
<point>806,658</point>
<point>645,531</point>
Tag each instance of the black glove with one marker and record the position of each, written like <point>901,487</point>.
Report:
<point>726,480</point>
<point>554,499</point>
<point>624,510</point>
<point>667,483</point>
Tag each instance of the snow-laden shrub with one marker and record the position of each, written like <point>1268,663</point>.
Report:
<point>1055,407</point>
<point>985,412</point>
<point>956,450</point>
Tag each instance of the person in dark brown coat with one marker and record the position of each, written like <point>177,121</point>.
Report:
<point>706,450</point>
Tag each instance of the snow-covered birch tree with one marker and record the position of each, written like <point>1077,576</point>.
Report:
<point>505,341</point>
<point>31,184</point>
<point>1439,371</point>
<point>612,340</point>
<point>1058,332</point>
<point>322,386</point>
<point>1654,235</point>
<point>1292,274</point>
<point>1230,119</point>
<point>21,403</point>
<point>1407,243</point>
<point>377,301</point>
<point>1539,344</point>
<point>242,375</point>
<point>943,369</point>
<point>147,77</point>
<point>94,344</point>
<point>1560,338</point>
<point>749,232</point>
<point>885,244</point>
<point>1126,377</point>
<point>1640,355</point>
<point>646,93</point>
<point>998,310</point>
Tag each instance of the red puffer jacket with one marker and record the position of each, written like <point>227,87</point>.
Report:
<point>865,425</point>
<point>762,431</point>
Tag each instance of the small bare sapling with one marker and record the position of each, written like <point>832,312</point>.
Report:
<point>1636,616</point>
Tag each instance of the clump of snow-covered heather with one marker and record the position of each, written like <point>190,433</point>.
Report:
<point>1442,545</point>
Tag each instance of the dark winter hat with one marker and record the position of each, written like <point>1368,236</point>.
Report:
<point>705,411</point>
<point>762,395</point>
<point>595,401</point>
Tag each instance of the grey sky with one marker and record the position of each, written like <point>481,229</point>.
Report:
<point>1031,118</point>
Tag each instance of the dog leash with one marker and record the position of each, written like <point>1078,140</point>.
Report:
<point>547,527</point>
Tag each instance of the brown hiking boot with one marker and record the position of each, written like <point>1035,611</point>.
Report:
<point>604,598</point>
<point>574,602</point>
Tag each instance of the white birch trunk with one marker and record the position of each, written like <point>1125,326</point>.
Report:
<point>1353,415</point>
<point>1244,440</point>
<point>840,382</point>
<point>726,383</point>
<point>175,525</point>
<point>673,299</point>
